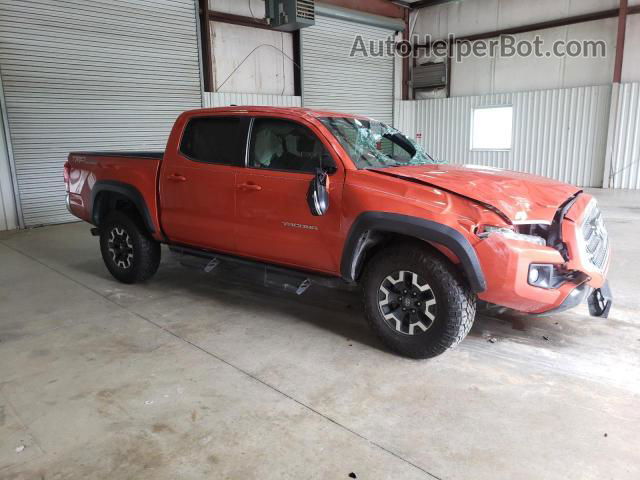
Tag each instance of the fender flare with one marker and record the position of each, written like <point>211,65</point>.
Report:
<point>369,223</point>
<point>126,190</point>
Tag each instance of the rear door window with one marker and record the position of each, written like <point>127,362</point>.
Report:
<point>219,140</point>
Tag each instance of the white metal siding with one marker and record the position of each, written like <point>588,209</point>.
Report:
<point>227,99</point>
<point>78,75</point>
<point>333,80</point>
<point>559,133</point>
<point>625,164</point>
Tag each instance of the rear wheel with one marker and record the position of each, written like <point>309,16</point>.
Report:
<point>129,253</point>
<point>416,301</point>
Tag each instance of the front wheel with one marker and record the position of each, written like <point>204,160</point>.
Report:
<point>129,253</point>
<point>416,301</point>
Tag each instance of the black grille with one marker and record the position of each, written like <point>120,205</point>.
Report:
<point>305,9</point>
<point>595,237</point>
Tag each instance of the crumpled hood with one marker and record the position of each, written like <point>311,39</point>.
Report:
<point>521,197</point>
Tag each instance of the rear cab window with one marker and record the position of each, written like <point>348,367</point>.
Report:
<point>216,140</point>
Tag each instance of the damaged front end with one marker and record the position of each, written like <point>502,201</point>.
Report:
<point>541,268</point>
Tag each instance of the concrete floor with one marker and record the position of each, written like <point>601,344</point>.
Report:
<point>197,376</point>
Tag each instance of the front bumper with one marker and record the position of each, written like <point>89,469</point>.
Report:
<point>600,301</point>
<point>506,264</point>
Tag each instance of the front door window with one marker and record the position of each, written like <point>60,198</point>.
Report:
<point>285,146</point>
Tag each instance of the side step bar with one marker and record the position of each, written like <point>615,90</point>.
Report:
<point>293,281</point>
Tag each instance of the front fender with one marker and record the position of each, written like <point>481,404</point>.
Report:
<point>364,228</point>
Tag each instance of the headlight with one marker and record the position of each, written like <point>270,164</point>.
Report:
<point>486,230</point>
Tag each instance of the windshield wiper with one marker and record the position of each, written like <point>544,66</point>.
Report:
<point>402,142</point>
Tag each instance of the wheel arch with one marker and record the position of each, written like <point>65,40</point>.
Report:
<point>105,196</point>
<point>373,230</point>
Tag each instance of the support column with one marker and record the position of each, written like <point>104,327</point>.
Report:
<point>607,180</point>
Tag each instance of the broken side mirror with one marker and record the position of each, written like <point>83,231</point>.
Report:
<point>318,195</point>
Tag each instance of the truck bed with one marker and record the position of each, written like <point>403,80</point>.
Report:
<point>133,174</point>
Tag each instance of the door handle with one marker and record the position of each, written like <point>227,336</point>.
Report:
<point>249,187</point>
<point>177,178</point>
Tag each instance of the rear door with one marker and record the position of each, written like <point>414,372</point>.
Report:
<point>274,222</point>
<point>197,183</point>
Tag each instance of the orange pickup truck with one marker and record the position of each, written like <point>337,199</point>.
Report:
<point>334,199</point>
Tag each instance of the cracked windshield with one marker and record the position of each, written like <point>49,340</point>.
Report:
<point>372,144</point>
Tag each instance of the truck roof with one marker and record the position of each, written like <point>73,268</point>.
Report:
<point>298,111</point>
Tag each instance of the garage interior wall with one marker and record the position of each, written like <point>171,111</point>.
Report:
<point>625,140</point>
<point>247,59</point>
<point>100,75</point>
<point>559,133</point>
<point>334,80</point>
<point>221,99</point>
<point>251,60</point>
<point>480,76</point>
<point>543,78</point>
<point>258,61</point>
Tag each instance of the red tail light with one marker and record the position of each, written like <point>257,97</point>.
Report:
<point>67,169</point>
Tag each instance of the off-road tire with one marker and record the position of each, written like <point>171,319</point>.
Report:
<point>145,251</point>
<point>455,306</point>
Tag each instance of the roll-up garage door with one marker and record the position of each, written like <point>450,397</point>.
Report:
<point>332,79</point>
<point>91,75</point>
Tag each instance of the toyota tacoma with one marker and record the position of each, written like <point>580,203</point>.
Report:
<point>336,199</point>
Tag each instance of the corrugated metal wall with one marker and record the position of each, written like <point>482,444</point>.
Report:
<point>227,99</point>
<point>559,133</point>
<point>625,142</point>
<point>333,80</point>
<point>79,75</point>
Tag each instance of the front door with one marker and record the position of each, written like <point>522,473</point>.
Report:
<point>274,222</point>
<point>198,183</point>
